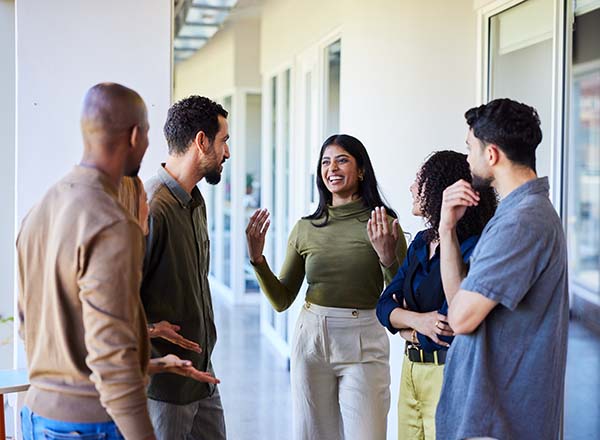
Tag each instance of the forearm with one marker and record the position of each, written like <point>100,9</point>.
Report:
<point>452,267</point>
<point>403,319</point>
<point>277,292</point>
<point>113,357</point>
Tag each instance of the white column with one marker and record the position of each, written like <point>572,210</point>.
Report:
<point>63,48</point>
<point>7,175</point>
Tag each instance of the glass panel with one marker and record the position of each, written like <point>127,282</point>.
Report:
<point>227,209</point>
<point>584,161</point>
<point>253,157</point>
<point>212,216</point>
<point>273,228</point>
<point>521,41</point>
<point>332,109</point>
<point>287,154</point>
<point>312,189</point>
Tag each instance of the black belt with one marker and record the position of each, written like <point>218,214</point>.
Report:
<point>415,354</point>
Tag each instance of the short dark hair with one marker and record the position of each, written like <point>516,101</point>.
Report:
<point>189,116</point>
<point>368,189</point>
<point>513,126</point>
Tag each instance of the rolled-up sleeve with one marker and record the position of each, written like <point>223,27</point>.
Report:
<point>109,281</point>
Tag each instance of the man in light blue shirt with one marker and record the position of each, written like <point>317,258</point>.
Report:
<point>505,371</point>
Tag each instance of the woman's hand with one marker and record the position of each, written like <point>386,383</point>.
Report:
<point>432,325</point>
<point>383,237</point>
<point>173,364</point>
<point>256,232</point>
<point>168,331</point>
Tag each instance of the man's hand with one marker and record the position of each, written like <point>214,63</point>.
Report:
<point>456,199</point>
<point>168,331</point>
<point>173,364</point>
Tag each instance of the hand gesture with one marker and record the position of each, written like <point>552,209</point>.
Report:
<point>383,236</point>
<point>168,331</point>
<point>432,325</point>
<point>173,364</point>
<point>255,234</point>
<point>456,199</point>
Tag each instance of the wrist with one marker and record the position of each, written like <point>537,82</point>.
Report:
<point>387,261</point>
<point>258,260</point>
<point>445,231</point>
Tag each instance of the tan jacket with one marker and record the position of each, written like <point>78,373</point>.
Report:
<point>80,264</point>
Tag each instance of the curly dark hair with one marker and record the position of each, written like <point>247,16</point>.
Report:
<point>440,170</point>
<point>513,126</point>
<point>368,189</point>
<point>189,116</point>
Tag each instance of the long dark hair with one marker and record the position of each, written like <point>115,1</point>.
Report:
<point>440,170</point>
<point>368,189</point>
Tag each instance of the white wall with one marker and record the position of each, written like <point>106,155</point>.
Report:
<point>228,60</point>
<point>408,74</point>
<point>7,174</point>
<point>63,48</point>
<point>209,72</point>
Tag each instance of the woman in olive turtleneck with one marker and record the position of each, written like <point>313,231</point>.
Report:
<point>339,362</point>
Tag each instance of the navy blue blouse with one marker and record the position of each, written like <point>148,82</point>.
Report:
<point>418,249</point>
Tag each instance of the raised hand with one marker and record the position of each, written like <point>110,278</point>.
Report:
<point>456,199</point>
<point>168,331</point>
<point>256,232</point>
<point>173,364</point>
<point>383,236</point>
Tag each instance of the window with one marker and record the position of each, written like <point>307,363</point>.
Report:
<point>227,212</point>
<point>521,65</point>
<point>584,156</point>
<point>332,88</point>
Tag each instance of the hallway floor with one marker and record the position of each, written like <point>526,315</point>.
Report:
<point>256,389</point>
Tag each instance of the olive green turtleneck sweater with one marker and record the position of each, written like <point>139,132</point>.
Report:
<point>340,264</point>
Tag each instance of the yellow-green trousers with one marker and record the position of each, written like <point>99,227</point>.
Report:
<point>420,388</point>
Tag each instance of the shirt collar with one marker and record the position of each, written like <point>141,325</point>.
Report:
<point>185,199</point>
<point>534,186</point>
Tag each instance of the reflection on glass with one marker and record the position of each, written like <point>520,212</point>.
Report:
<point>333,54</point>
<point>520,66</point>
<point>584,149</point>
<point>227,209</point>
<point>252,190</point>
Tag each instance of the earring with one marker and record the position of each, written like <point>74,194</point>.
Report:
<point>360,177</point>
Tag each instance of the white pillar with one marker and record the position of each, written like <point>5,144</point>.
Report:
<point>7,174</point>
<point>63,48</point>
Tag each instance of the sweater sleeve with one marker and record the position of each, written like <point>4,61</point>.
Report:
<point>282,291</point>
<point>390,271</point>
<point>110,301</point>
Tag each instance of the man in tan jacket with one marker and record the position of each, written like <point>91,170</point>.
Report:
<point>80,263</point>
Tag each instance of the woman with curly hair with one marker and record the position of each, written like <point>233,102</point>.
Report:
<point>339,362</point>
<point>414,303</point>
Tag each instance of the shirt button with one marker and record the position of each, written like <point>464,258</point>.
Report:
<point>355,313</point>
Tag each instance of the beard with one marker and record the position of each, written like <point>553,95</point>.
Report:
<point>134,172</point>
<point>213,176</point>
<point>481,183</point>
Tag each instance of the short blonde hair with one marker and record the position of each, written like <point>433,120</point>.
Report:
<point>130,192</point>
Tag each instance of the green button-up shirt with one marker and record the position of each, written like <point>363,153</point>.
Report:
<point>175,284</point>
